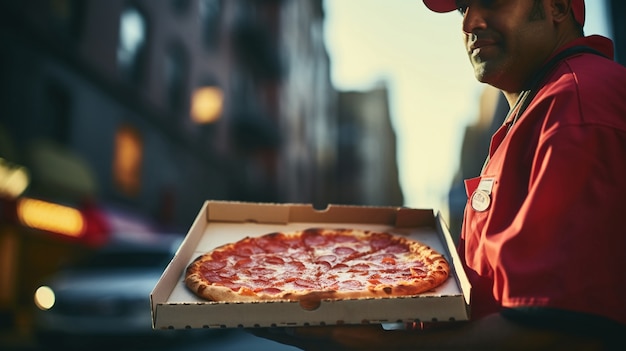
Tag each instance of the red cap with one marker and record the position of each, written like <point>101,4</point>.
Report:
<point>578,7</point>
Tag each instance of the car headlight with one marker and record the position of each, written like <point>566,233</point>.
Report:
<point>44,298</point>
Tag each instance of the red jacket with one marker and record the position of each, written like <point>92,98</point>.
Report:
<point>545,224</point>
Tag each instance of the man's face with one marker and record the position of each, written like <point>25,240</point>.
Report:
<point>506,40</point>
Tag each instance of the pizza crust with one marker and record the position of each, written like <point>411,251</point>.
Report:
<point>316,264</point>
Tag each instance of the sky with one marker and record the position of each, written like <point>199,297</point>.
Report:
<point>433,94</point>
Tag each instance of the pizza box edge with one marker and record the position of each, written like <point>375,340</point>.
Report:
<point>192,314</point>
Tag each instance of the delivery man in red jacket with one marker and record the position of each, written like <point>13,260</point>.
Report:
<point>544,231</point>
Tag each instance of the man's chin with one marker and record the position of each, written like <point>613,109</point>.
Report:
<point>486,73</point>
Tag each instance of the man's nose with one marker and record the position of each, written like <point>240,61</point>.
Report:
<point>473,19</point>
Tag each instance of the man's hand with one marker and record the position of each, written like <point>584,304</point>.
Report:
<point>490,333</point>
<point>359,337</point>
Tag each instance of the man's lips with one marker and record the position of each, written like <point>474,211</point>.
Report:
<point>476,46</point>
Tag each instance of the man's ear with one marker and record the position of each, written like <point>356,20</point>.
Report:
<point>560,10</point>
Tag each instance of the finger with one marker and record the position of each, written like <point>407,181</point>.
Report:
<point>361,337</point>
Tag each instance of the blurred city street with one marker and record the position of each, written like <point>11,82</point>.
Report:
<point>189,340</point>
<point>120,119</point>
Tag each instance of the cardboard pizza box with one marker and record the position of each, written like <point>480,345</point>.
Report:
<point>218,222</point>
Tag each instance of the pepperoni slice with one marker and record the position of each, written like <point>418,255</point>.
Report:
<point>309,284</point>
<point>351,285</point>
<point>270,238</point>
<point>340,267</point>
<point>228,275</point>
<point>293,242</point>
<point>213,265</point>
<point>385,259</point>
<point>374,281</point>
<point>213,277</point>
<point>232,285</point>
<point>262,272</point>
<point>344,251</point>
<point>274,243</point>
<point>345,239</point>
<point>324,265</point>
<point>295,266</point>
<point>301,256</point>
<point>247,249</point>
<point>326,258</point>
<point>314,239</point>
<point>244,262</point>
<point>380,242</point>
<point>359,267</point>
<point>389,260</point>
<point>419,271</point>
<point>275,260</point>
<point>396,248</point>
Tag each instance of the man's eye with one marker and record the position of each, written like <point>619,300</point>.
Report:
<point>462,9</point>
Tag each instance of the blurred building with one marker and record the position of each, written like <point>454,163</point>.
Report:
<point>367,168</point>
<point>308,108</point>
<point>166,103</point>
<point>338,147</point>
<point>129,114</point>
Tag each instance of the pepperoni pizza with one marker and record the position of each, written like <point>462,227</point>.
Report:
<point>316,264</point>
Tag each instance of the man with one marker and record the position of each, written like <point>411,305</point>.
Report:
<point>543,236</point>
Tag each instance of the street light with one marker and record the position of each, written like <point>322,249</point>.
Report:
<point>206,104</point>
<point>14,179</point>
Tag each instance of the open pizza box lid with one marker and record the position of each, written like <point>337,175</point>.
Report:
<point>176,307</point>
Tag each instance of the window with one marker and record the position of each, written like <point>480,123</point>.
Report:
<point>210,13</point>
<point>132,43</point>
<point>176,76</point>
<point>127,159</point>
